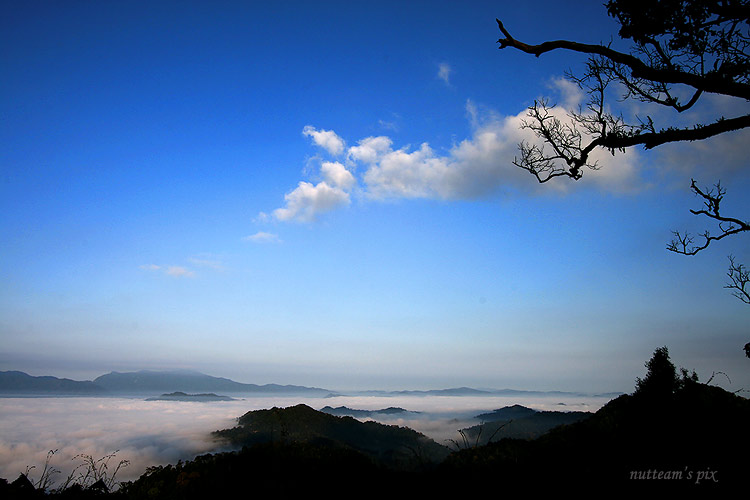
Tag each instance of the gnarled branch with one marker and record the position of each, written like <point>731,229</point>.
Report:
<point>571,143</point>
<point>708,82</point>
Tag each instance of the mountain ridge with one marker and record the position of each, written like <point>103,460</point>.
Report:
<point>18,382</point>
<point>163,381</point>
<point>155,382</point>
<point>469,391</point>
<point>144,382</point>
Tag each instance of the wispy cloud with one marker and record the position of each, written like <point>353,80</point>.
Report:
<point>176,271</point>
<point>179,271</point>
<point>388,125</point>
<point>214,264</point>
<point>263,237</point>
<point>392,124</point>
<point>262,217</point>
<point>444,72</point>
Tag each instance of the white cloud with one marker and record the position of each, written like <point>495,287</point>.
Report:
<point>326,139</point>
<point>263,237</point>
<point>444,72</point>
<point>477,167</point>
<point>403,174</point>
<point>150,267</point>
<point>337,175</point>
<point>569,92</point>
<point>370,149</point>
<point>307,201</point>
<point>481,165</point>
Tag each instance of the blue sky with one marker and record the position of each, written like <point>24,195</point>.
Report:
<point>323,194</point>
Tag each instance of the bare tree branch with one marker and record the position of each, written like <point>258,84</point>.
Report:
<point>683,243</point>
<point>701,44</point>
<point>739,277</point>
<point>704,45</point>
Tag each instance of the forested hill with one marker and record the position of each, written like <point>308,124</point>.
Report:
<point>387,444</point>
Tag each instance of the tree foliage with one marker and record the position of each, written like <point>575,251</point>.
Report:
<point>661,378</point>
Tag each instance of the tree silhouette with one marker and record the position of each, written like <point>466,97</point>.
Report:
<point>661,378</point>
<point>702,46</point>
<point>698,44</point>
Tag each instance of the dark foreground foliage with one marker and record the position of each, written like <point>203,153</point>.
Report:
<point>270,470</point>
<point>672,435</point>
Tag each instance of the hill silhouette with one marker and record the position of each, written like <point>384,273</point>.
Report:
<point>181,396</point>
<point>388,445</point>
<point>341,411</point>
<point>519,422</point>
<point>506,413</point>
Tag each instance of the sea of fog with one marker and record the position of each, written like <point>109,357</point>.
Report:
<point>148,433</point>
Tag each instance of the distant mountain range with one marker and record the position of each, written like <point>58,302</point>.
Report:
<point>15,382</point>
<point>147,383</point>
<point>140,383</point>
<point>188,381</point>
<point>468,391</point>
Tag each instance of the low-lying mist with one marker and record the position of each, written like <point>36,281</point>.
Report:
<point>440,417</point>
<point>148,433</point>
